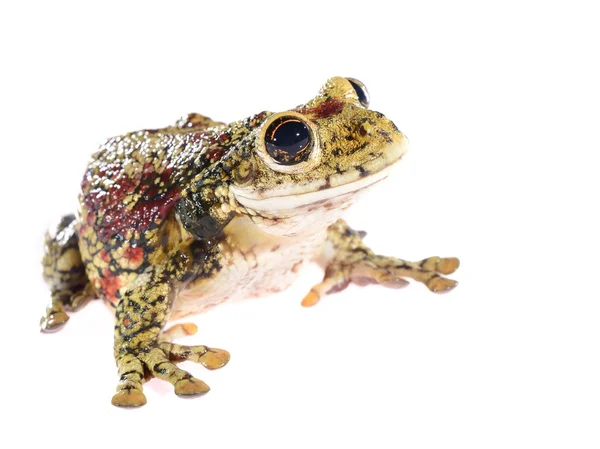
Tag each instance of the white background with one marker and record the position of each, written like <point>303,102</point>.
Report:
<point>501,103</point>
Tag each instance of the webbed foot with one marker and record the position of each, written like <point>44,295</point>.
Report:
<point>55,316</point>
<point>159,362</point>
<point>354,262</point>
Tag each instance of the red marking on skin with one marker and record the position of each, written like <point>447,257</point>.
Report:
<point>134,254</point>
<point>90,219</point>
<point>214,154</point>
<point>82,228</point>
<point>215,146</point>
<point>108,213</point>
<point>140,218</point>
<point>85,183</point>
<point>109,169</point>
<point>126,322</point>
<point>110,284</point>
<point>148,169</point>
<point>166,174</point>
<point>104,256</point>
<point>329,107</point>
<point>152,192</point>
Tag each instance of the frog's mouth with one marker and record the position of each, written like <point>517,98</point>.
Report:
<point>301,197</point>
<point>317,193</point>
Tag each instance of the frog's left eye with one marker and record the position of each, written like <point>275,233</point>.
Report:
<point>288,140</point>
<point>361,91</point>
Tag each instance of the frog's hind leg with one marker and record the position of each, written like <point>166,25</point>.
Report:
<point>348,259</point>
<point>64,272</point>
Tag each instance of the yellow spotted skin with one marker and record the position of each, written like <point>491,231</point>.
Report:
<point>64,273</point>
<point>174,221</point>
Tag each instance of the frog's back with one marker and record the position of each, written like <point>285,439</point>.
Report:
<point>128,192</point>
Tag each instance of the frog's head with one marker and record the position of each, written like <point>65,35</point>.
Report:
<point>308,164</point>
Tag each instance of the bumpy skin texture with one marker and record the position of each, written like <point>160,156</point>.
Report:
<point>176,220</point>
<point>64,272</point>
<point>132,185</point>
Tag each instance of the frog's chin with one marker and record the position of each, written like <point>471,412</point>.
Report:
<point>337,193</point>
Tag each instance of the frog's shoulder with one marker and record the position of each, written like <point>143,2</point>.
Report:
<point>135,180</point>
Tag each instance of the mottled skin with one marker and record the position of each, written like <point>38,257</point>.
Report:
<point>176,220</point>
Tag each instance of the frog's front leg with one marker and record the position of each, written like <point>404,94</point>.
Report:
<point>348,259</point>
<point>140,349</point>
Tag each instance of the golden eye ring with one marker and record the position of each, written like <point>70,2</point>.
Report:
<point>288,140</point>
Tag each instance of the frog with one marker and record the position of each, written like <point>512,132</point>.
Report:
<point>175,221</point>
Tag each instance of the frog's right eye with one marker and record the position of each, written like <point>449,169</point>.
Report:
<point>288,140</point>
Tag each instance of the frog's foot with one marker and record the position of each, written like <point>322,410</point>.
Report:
<point>159,363</point>
<point>54,318</point>
<point>390,271</point>
<point>133,369</point>
<point>350,260</point>
<point>56,315</point>
<point>387,271</point>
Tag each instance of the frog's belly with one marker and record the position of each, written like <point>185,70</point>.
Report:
<point>253,263</point>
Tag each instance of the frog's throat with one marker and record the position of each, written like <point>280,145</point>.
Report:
<point>295,201</point>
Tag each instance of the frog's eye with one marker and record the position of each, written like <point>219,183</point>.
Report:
<point>288,140</point>
<point>361,91</point>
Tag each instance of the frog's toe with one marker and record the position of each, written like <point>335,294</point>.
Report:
<point>335,280</point>
<point>192,387</point>
<point>211,358</point>
<point>130,397</point>
<point>53,321</point>
<point>442,265</point>
<point>384,278</point>
<point>439,284</point>
<point>215,358</point>
<point>178,331</point>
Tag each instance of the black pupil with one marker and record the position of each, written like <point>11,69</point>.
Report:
<point>360,93</point>
<point>288,141</point>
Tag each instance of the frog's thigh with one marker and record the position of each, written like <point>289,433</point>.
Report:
<point>64,272</point>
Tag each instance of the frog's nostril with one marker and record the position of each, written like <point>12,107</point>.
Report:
<point>361,91</point>
<point>365,129</point>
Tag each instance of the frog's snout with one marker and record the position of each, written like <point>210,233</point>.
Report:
<point>395,142</point>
